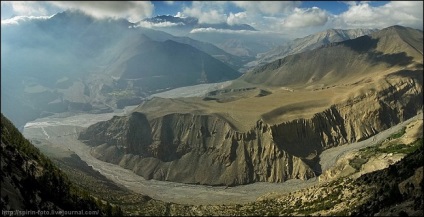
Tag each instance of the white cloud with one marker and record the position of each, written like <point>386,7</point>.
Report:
<point>272,16</point>
<point>132,10</point>
<point>237,18</point>
<point>19,19</point>
<point>26,8</point>
<point>179,14</point>
<point>306,18</point>
<point>206,12</point>
<point>214,30</point>
<point>147,24</point>
<point>363,15</point>
<point>267,7</point>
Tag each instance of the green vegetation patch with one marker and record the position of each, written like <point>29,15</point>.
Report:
<point>398,134</point>
<point>395,148</point>
<point>357,162</point>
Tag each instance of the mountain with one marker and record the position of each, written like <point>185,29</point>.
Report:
<point>169,64</point>
<point>392,46</point>
<point>240,40</point>
<point>307,43</point>
<point>74,62</point>
<point>31,182</point>
<point>272,123</point>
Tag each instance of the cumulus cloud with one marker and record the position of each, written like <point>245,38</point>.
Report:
<point>237,18</point>
<point>306,18</point>
<point>363,15</point>
<point>27,8</point>
<point>267,7</point>
<point>273,16</point>
<point>179,14</point>
<point>206,12</point>
<point>132,10</point>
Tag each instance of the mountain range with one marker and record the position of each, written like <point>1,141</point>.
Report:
<point>309,42</point>
<point>73,62</point>
<point>237,39</point>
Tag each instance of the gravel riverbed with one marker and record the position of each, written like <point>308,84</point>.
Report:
<point>63,131</point>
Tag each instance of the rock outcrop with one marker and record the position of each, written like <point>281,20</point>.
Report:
<point>188,148</point>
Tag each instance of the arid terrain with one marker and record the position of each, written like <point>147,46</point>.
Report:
<point>57,137</point>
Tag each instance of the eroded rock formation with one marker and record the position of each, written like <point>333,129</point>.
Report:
<point>206,149</point>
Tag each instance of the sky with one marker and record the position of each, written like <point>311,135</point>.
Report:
<point>288,17</point>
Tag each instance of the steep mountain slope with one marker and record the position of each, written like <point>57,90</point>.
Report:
<point>232,60</point>
<point>74,62</point>
<point>30,181</point>
<point>169,64</point>
<point>307,43</point>
<point>344,60</point>
<point>274,129</point>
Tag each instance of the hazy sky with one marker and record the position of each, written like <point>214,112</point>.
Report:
<point>272,16</point>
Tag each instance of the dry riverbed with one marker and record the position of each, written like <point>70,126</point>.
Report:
<point>60,134</point>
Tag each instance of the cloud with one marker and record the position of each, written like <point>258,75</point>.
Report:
<point>306,18</point>
<point>237,18</point>
<point>132,10</point>
<point>271,16</point>
<point>25,8</point>
<point>179,14</point>
<point>206,12</point>
<point>19,19</point>
<point>363,15</point>
<point>267,7</point>
<point>214,30</point>
<point>147,24</point>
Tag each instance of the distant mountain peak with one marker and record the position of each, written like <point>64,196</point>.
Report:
<point>309,42</point>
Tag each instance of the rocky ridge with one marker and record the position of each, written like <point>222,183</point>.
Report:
<point>309,42</point>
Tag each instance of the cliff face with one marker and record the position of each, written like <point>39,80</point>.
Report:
<point>206,149</point>
<point>201,149</point>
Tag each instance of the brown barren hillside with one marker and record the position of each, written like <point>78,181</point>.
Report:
<point>349,60</point>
